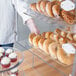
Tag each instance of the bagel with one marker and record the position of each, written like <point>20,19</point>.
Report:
<point>33,7</point>
<point>63,57</point>
<point>57,31</point>
<point>56,10</point>
<point>38,7</point>
<point>74,37</point>
<point>49,9</point>
<point>31,36</point>
<point>62,40</point>
<point>43,34</point>
<point>46,44</point>
<point>68,17</point>
<point>36,39</point>
<point>43,6</point>
<point>69,20</point>
<point>51,36</point>
<point>63,34</point>
<point>53,49</point>
<point>70,41</point>
<point>57,2</point>
<point>70,36</point>
<point>40,43</point>
<point>56,37</point>
<point>47,34</point>
<point>72,12</point>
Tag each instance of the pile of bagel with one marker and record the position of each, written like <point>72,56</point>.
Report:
<point>51,44</point>
<point>52,9</point>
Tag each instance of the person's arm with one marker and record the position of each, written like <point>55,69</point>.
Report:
<point>21,8</point>
<point>31,25</point>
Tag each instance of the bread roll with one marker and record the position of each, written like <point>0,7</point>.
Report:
<point>57,2</point>
<point>56,37</point>
<point>74,37</point>
<point>43,6</point>
<point>43,34</point>
<point>40,43</point>
<point>62,40</point>
<point>57,31</point>
<point>63,34</point>
<point>38,7</point>
<point>65,58</point>
<point>56,10</point>
<point>70,36</point>
<point>49,9</point>
<point>53,50</point>
<point>52,36</point>
<point>46,44</point>
<point>70,41</point>
<point>33,7</point>
<point>31,36</point>
<point>36,40</point>
<point>47,34</point>
<point>72,12</point>
<point>68,17</point>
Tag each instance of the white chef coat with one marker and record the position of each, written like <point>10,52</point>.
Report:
<point>8,19</point>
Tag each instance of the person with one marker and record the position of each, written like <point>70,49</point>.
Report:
<point>8,20</point>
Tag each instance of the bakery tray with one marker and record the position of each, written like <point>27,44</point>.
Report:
<point>59,21</point>
<point>63,69</point>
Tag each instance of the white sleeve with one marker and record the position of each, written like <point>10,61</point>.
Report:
<point>21,8</point>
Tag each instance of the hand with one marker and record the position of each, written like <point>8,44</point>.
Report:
<point>33,28</point>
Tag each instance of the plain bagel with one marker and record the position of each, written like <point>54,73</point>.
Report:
<point>65,58</point>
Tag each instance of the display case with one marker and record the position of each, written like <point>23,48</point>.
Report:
<point>57,68</point>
